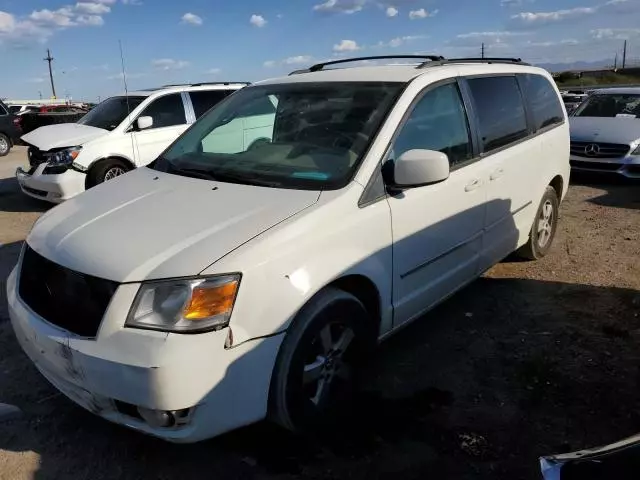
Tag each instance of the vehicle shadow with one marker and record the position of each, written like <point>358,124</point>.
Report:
<point>13,200</point>
<point>621,192</point>
<point>505,371</point>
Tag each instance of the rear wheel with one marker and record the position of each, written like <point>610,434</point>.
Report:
<point>106,170</point>
<point>5,145</point>
<point>314,380</point>
<point>544,227</point>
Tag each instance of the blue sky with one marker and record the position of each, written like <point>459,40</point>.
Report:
<point>168,41</point>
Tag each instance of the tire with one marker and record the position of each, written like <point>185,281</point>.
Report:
<point>106,170</point>
<point>544,227</point>
<point>5,145</point>
<point>314,406</point>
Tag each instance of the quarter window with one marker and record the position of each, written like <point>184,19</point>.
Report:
<point>543,101</point>
<point>166,111</point>
<point>499,109</point>
<point>437,122</point>
<point>204,100</point>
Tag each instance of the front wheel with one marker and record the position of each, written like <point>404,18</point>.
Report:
<point>317,367</point>
<point>544,227</point>
<point>105,171</point>
<point>5,145</point>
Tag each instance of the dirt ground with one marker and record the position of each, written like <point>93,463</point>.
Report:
<point>532,359</point>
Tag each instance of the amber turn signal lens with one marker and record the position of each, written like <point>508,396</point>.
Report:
<point>210,301</point>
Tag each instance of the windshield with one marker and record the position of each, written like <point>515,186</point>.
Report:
<point>299,135</point>
<point>110,113</point>
<point>610,105</point>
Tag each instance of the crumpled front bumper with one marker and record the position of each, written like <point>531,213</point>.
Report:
<point>55,188</point>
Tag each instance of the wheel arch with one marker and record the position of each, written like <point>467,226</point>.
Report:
<point>365,290</point>
<point>557,183</point>
<point>101,160</point>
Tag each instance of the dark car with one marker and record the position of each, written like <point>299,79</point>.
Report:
<point>9,129</point>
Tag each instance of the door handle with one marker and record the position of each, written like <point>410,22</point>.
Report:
<point>471,186</point>
<point>497,174</point>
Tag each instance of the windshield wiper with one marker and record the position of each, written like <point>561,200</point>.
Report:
<point>193,172</point>
<point>223,177</point>
<point>245,179</point>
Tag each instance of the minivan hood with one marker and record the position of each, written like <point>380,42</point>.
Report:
<point>62,135</point>
<point>149,225</point>
<point>602,129</point>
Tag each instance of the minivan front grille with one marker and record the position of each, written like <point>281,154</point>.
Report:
<point>599,150</point>
<point>68,299</point>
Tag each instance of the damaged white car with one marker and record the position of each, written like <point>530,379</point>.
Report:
<point>223,285</point>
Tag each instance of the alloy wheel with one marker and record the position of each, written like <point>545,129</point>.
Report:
<point>545,224</point>
<point>327,364</point>
<point>113,172</point>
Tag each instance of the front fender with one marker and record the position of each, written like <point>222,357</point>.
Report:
<point>289,264</point>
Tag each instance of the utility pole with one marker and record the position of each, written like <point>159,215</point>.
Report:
<point>50,59</point>
<point>615,62</point>
<point>624,55</point>
<point>482,49</point>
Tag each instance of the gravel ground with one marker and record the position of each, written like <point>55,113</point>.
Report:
<point>532,359</point>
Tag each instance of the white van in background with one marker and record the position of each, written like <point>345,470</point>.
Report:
<point>66,159</point>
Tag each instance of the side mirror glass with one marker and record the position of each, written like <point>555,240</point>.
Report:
<point>144,122</point>
<point>416,168</point>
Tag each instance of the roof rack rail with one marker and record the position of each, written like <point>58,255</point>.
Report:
<point>320,66</point>
<point>447,61</point>
<point>219,83</point>
<point>200,84</point>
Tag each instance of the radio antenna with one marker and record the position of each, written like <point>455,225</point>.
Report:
<point>126,95</point>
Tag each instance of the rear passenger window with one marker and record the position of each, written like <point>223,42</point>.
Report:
<point>203,101</point>
<point>437,122</point>
<point>499,109</point>
<point>543,101</point>
<point>166,111</point>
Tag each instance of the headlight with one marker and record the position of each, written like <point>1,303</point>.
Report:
<point>64,158</point>
<point>185,306</point>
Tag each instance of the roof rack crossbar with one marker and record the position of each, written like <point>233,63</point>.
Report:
<point>505,60</point>
<point>320,66</point>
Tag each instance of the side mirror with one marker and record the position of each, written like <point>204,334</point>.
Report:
<point>144,122</point>
<point>416,168</point>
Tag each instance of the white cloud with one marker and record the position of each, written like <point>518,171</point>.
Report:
<point>297,60</point>
<point>63,17</point>
<point>514,3</point>
<point>213,71</point>
<point>93,20</point>
<point>399,41</point>
<point>169,64</point>
<point>92,8</point>
<point>392,11</point>
<point>191,19</point>
<point>35,80</point>
<point>257,21</point>
<point>40,25</point>
<point>346,46</point>
<point>421,13</point>
<point>131,2</point>
<point>529,18</point>
<point>615,33</point>
<point>340,6</point>
<point>269,64</point>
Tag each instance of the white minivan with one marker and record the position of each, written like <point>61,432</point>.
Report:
<point>218,287</point>
<point>122,133</point>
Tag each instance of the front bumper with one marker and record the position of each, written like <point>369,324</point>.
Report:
<point>52,188</point>
<point>628,166</point>
<point>223,389</point>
